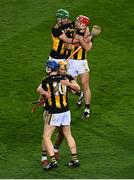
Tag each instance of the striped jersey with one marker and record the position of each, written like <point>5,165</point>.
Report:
<point>58,102</point>
<point>58,49</point>
<point>82,53</point>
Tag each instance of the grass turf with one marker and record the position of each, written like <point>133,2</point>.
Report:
<point>105,141</point>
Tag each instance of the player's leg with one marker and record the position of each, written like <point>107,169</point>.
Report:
<point>87,93</point>
<point>80,99</point>
<point>48,131</point>
<point>44,159</point>
<point>73,65</point>
<point>72,145</point>
<point>70,140</point>
<point>59,139</point>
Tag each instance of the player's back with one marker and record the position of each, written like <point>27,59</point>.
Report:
<point>58,102</point>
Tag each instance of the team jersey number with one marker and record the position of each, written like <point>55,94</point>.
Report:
<point>59,88</point>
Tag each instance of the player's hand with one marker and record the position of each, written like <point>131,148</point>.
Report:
<point>96,30</point>
<point>87,39</point>
<point>78,37</point>
<point>47,95</point>
<point>87,32</point>
<point>65,82</point>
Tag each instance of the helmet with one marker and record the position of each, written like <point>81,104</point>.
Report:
<point>51,66</point>
<point>83,21</point>
<point>62,64</point>
<point>62,13</point>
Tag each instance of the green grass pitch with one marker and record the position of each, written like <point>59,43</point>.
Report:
<point>106,141</point>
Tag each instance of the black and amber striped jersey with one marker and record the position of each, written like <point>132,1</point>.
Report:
<point>58,49</point>
<point>59,99</point>
<point>80,55</point>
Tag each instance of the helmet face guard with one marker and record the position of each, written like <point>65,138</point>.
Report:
<point>82,22</point>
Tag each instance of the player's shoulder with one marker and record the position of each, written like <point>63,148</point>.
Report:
<point>56,26</point>
<point>55,77</point>
<point>71,24</point>
<point>46,78</point>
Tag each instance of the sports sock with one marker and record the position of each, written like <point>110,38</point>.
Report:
<point>52,158</point>
<point>74,157</point>
<point>87,106</point>
<point>44,155</point>
<point>56,147</point>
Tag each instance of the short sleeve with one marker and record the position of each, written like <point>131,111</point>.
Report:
<point>44,84</point>
<point>56,32</point>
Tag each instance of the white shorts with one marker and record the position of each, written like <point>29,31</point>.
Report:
<point>58,119</point>
<point>77,67</point>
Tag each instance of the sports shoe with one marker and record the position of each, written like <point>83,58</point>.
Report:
<point>45,163</point>
<point>79,102</point>
<point>86,113</point>
<point>57,156</point>
<point>52,165</point>
<point>73,163</point>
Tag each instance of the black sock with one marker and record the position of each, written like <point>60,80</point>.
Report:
<point>87,106</point>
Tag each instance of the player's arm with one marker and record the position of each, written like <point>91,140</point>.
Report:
<point>64,38</point>
<point>86,45</point>
<point>72,85</point>
<point>87,32</point>
<point>95,31</point>
<point>83,39</point>
<point>87,35</point>
<point>57,32</point>
<point>42,92</point>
